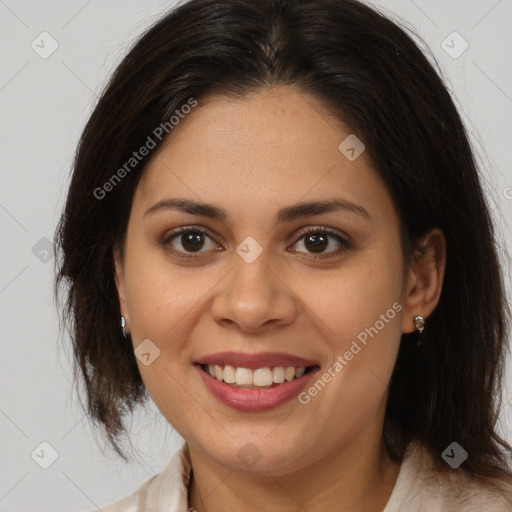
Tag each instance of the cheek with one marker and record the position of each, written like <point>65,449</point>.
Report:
<point>160,301</point>
<point>365,318</point>
<point>164,306</point>
<point>355,296</point>
<point>166,302</point>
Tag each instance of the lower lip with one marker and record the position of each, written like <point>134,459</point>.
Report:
<point>254,399</point>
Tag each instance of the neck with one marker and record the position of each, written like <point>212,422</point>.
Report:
<point>358,477</point>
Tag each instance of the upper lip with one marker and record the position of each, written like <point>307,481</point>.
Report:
<point>253,361</point>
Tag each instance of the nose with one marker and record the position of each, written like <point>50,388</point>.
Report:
<point>254,297</point>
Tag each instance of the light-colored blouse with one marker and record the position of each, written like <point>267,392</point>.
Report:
<point>419,488</point>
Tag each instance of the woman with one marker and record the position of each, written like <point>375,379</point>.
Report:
<point>279,203</point>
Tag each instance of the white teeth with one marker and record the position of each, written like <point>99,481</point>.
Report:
<point>289,373</point>
<point>244,376</point>
<point>278,374</point>
<point>261,377</point>
<point>229,374</point>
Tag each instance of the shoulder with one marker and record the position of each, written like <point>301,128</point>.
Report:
<point>166,491</point>
<point>422,486</point>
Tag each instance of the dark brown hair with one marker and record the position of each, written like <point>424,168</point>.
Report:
<point>370,74</point>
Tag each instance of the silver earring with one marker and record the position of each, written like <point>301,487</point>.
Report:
<point>123,326</point>
<point>420,323</point>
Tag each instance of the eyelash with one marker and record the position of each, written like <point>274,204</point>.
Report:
<point>345,245</point>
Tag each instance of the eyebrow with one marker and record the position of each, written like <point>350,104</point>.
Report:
<point>286,214</point>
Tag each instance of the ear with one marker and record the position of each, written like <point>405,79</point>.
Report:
<point>120,284</point>
<point>425,279</point>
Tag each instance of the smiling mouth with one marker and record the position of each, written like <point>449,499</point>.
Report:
<point>257,379</point>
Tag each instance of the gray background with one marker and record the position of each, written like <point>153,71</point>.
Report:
<point>44,104</point>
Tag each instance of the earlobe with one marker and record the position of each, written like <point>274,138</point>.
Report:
<point>425,281</point>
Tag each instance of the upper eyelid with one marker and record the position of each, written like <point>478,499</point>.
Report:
<point>186,229</point>
<point>322,229</point>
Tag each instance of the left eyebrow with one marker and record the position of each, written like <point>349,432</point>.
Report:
<point>286,214</point>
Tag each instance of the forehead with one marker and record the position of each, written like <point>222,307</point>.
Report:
<point>265,150</point>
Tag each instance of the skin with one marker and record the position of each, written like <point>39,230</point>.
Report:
<point>251,157</point>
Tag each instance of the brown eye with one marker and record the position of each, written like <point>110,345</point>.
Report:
<point>317,242</point>
<point>192,241</point>
<point>322,241</point>
<point>187,241</point>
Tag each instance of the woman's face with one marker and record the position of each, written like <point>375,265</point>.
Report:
<point>246,289</point>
